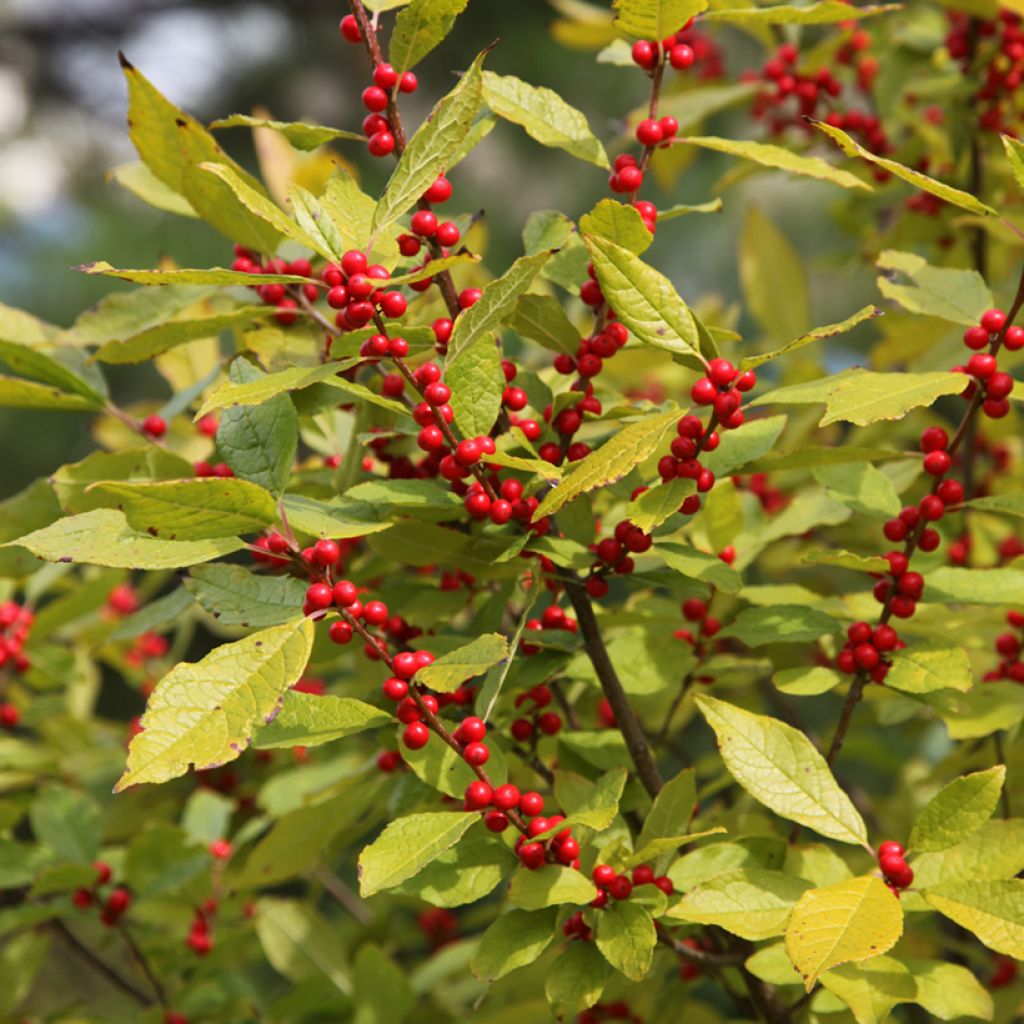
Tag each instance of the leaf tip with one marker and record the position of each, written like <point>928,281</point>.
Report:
<point>124,62</point>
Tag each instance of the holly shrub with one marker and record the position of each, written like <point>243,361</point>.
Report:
<point>524,642</point>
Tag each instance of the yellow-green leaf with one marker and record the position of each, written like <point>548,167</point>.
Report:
<point>544,115</point>
<point>309,720</point>
<point>655,19</point>
<point>957,811</point>
<point>138,179</point>
<point>513,940</point>
<point>619,223</point>
<point>920,669</point>
<point>407,845</point>
<point>950,293</point>
<point>548,886</point>
<point>432,148</point>
<point>205,713</point>
<point>824,13</point>
<point>770,267</point>
<point>298,133</point>
<point>419,27</point>
<point>191,509</point>
<point>613,460</point>
<point>542,319</point>
<point>16,393</point>
<point>948,991</point>
<point>656,504</point>
<point>953,196</point>
<point>644,299</point>
<point>211,275</point>
<point>769,155</point>
<point>849,922</point>
<point>992,910</point>
<point>103,537</point>
<point>625,935</point>
<point>816,334</point>
<point>778,766</point>
<point>451,670</point>
<point>477,383</point>
<point>872,989</point>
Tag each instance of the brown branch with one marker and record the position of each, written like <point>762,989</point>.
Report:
<point>99,965</point>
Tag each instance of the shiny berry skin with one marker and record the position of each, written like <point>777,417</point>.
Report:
<point>319,596</point>
<point>469,297</point>
<point>395,689</point>
<point>568,851</point>
<point>1014,339</point>
<point>934,439</point>
<point>932,507</point>
<point>643,53</point>
<point>381,143</point>
<point>353,262</point>
<point>478,795</point>
<point>620,887</point>
<point>500,512</point>
<point>424,223</point>
<point>506,797</point>
<point>721,372</point>
<point>326,552</point>
<point>746,381</point>
<point>344,593</point>
<point>531,803</point>
<point>981,365</point>
<point>643,875</point>
<point>704,392</point>
<point>408,82</point>
<point>681,57</point>
<point>649,132</point>
<point>603,875</point>
<point>865,656</point>
<point>154,426</point>
<point>976,338</point>
<point>890,847</point>
<point>495,821</point>
<point>447,233</point>
<point>669,126</point>
<point>385,76</point>
<point>415,736</point>
<point>375,99</point>
<point>532,855</point>
<point>472,730</point>
<point>937,463</point>
<point>476,754</point>
<point>439,192</point>
<point>993,320</point>
<point>349,29</point>
<point>437,393</point>
<point>999,386</point>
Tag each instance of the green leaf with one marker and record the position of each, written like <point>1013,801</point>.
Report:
<point>925,669</point>
<point>550,886</point>
<point>173,144</point>
<point>656,504</point>
<point>861,487</point>
<point>872,989</point>
<point>542,319</point>
<point>682,209</point>
<point>619,223</point>
<point>191,509</point>
<point>848,922</point>
<point>960,296</point>
<point>431,149</point>
<point>751,902</point>
<point>464,874</point>
<point>598,808</point>
<point>259,442</point>
<point>413,542</point>
<point>1015,157</point>
<point>672,810</point>
<point>205,276</point>
<point>1006,504</point>
<point>515,939</point>
<point>67,824</point>
<point>625,935</point>
<point>46,367</point>
<point>644,299</point>
<point>451,670</point>
<point>477,383</point>
<point>249,386</point>
<point>812,456</point>
<point>769,266</point>
<point>948,991</point>
<point>407,845</point>
<point>298,133</point>
<point>544,115</point>
<point>612,461</point>
<point>655,19</point>
<point>769,155</point>
<point>740,447</point>
<point>992,910</point>
<point>138,179</point>
<point>953,196</point>
<point>779,767</point>
<point>234,596</point>
<point>816,334</point>
<point>300,943</point>
<point>780,624</point>
<point>308,720</point>
<point>806,682</point>
<point>419,27</point>
<point>575,981</point>
<point>16,393</point>
<point>205,713</point>
<point>103,537</point>
<point>700,566</point>
<point>976,586</point>
<point>995,851</point>
<point>496,302</point>
<point>24,956</point>
<point>826,12</point>
<point>163,337</point>
<point>846,560</point>
<point>957,811</point>
<point>864,397</point>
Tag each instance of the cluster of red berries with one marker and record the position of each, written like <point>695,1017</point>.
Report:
<point>1000,41</point>
<point>116,903</point>
<point>15,626</point>
<point>439,925</point>
<point>200,937</point>
<point>1008,647</point>
<point>497,803</point>
<point>898,873</point>
<point>353,290</point>
<point>695,610</point>
<point>560,848</point>
<point>548,723</point>
<point>994,384</point>
<point>866,647</point>
<point>614,554</point>
<point>759,484</point>
<point>787,94</point>
<point>276,294</point>
<point>609,1011</point>
<point>612,885</point>
<point>649,53</point>
<point>148,646</point>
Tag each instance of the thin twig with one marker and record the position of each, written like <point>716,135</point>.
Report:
<point>100,966</point>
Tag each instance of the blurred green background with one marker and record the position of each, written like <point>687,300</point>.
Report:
<point>62,109</point>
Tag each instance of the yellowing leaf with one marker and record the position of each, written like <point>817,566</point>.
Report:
<point>920,669</point>
<point>407,845</point>
<point>102,536</point>
<point>769,155</point>
<point>778,766</point>
<point>205,713</point>
<point>208,275</point>
<point>951,293</point>
<point>655,19</point>
<point>619,223</point>
<point>872,989</point>
<point>644,299</point>
<point>544,115</point>
<point>451,670</point>
<point>769,266</point>
<point>953,196</point>
<point>419,27</point>
<point>548,886</point>
<point>957,811</point>
<point>851,921</point>
<point>993,910</point>
<point>823,13</point>
<point>298,133</point>
<point>614,459</point>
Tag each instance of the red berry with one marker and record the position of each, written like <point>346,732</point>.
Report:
<point>340,632</point>
<point>408,82</point>
<point>385,76</point>
<point>478,795</point>
<point>532,855</point>
<point>319,596</point>
<point>681,57</point>
<point>704,392</point>
<point>439,192</point>
<point>349,29</point>
<point>375,99</point>
<point>937,463</point>
<point>154,426</point>
<point>381,143</point>
<point>620,887</point>
<point>415,736</point>
<point>649,132</point>
<point>993,320</point>
<point>495,821</point>
<point>531,803</point>
<point>476,754</point>
<point>447,234</point>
